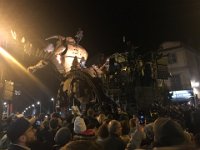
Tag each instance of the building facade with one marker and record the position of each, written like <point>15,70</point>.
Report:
<point>183,66</point>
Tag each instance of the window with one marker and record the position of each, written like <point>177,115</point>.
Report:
<point>176,82</point>
<point>172,58</point>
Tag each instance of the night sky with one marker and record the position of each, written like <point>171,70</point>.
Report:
<point>146,23</point>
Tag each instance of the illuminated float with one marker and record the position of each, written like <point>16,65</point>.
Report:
<point>82,85</point>
<point>122,78</point>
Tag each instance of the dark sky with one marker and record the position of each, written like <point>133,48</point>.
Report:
<point>146,23</point>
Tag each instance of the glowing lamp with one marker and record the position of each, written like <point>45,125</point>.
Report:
<point>74,50</point>
<point>194,84</point>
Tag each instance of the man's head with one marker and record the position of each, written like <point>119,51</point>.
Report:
<point>54,124</point>
<point>63,136</point>
<point>21,132</point>
<point>90,112</point>
<point>114,127</point>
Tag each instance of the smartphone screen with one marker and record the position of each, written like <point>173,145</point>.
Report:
<point>38,123</point>
<point>142,119</point>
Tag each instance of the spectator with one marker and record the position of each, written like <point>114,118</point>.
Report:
<point>137,137</point>
<point>132,124</point>
<point>125,131</point>
<point>21,134</point>
<point>101,118</point>
<point>91,119</point>
<point>114,141</point>
<point>62,137</point>
<point>168,133</point>
<point>44,135</point>
<point>102,133</point>
<point>79,125</point>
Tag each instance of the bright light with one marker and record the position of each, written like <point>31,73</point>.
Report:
<point>183,94</point>
<point>194,84</point>
<point>10,58</point>
<point>38,103</point>
<point>33,105</point>
<point>5,103</point>
<point>52,99</point>
<point>26,108</point>
<point>189,103</point>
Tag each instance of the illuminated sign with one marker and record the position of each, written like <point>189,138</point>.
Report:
<point>182,95</point>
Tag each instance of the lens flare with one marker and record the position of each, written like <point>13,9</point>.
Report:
<point>10,58</point>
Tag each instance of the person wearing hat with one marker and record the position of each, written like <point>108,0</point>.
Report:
<point>21,134</point>
<point>62,137</point>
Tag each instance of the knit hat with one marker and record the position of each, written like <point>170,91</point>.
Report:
<point>79,125</point>
<point>63,136</point>
<point>17,128</point>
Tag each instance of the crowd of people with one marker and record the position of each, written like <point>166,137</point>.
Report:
<point>162,127</point>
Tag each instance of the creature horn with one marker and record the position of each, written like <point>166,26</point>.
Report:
<point>55,37</point>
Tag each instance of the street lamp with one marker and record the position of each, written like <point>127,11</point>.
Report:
<point>39,103</point>
<point>52,99</point>
<point>5,108</point>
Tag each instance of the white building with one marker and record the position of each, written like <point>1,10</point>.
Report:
<point>183,66</point>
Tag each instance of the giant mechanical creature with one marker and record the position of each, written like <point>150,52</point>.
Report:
<point>99,86</point>
<point>81,85</point>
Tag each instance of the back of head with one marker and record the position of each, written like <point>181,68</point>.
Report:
<point>79,125</point>
<point>63,136</point>
<point>101,118</point>
<point>53,123</point>
<point>90,112</point>
<point>82,145</point>
<point>113,126</point>
<point>168,133</point>
<point>132,123</point>
<point>45,124</point>
<point>125,127</point>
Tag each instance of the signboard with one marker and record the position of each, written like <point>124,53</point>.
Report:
<point>182,95</point>
<point>8,90</point>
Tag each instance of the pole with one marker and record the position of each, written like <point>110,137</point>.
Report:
<point>40,107</point>
<point>52,105</point>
